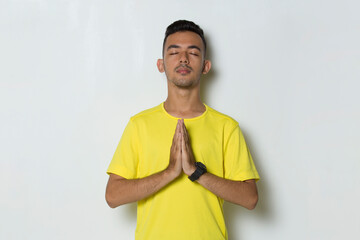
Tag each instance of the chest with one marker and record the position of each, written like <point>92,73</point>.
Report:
<point>207,145</point>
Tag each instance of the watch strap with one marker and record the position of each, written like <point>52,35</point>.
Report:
<point>200,170</point>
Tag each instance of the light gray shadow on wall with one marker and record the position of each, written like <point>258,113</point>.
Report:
<point>208,79</point>
<point>235,214</point>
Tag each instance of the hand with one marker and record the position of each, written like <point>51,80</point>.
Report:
<point>187,156</point>
<point>175,165</point>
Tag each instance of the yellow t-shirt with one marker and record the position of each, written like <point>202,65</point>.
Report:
<point>183,209</point>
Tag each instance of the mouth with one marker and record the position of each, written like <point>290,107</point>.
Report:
<point>183,69</point>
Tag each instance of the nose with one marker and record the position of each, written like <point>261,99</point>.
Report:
<point>184,58</point>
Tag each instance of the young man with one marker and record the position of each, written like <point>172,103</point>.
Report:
<point>181,159</point>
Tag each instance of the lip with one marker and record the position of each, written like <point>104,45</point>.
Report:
<point>183,71</point>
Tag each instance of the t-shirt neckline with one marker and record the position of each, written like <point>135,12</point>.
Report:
<point>185,119</point>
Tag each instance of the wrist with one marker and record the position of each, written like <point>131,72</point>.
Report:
<point>199,171</point>
<point>170,174</point>
<point>190,170</point>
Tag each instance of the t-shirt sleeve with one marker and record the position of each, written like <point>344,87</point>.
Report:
<point>238,163</point>
<point>125,160</point>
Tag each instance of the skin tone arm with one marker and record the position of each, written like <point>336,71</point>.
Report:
<point>121,191</point>
<point>243,193</point>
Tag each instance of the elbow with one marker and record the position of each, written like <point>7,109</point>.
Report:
<point>111,205</point>
<point>252,202</point>
<point>111,201</point>
<point>113,196</point>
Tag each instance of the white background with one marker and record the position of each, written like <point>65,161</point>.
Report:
<point>73,72</point>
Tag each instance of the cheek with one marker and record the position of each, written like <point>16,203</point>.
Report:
<point>199,66</point>
<point>169,62</point>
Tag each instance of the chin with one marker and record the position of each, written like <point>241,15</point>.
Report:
<point>184,83</point>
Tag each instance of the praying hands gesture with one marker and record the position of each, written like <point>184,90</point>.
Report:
<point>120,190</point>
<point>181,155</point>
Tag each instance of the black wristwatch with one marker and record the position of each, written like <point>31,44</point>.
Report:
<point>200,170</point>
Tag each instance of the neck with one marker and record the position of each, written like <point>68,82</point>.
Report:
<point>184,102</point>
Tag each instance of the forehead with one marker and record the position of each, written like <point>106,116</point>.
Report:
<point>184,39</point>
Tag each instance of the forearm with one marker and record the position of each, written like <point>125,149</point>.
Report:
<point>120,191</point>
<point>243,193</point>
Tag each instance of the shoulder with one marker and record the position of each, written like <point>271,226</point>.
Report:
<point>222,118</point>
<point>146,114</point>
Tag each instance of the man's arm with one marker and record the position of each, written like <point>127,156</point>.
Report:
<point>120,190</point>
<point>243,193</point>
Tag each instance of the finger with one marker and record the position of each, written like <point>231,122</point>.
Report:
<point>183,128</point>
<point>183,143</point>
<point>186,134</point>
<point>178,139</point>
<point>175,142</point>
<point>178,134</point>
<point>176,129</point>
<point>179,128</point>
<point>180,131</point>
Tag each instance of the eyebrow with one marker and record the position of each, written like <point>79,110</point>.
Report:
<point>177,46</point>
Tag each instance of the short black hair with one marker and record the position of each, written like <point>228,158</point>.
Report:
<point>182,26</point>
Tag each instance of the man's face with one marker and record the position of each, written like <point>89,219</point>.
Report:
<point>183,61</point>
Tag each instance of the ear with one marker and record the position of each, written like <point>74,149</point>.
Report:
<point>207,66</point>
<point>160,65</point>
